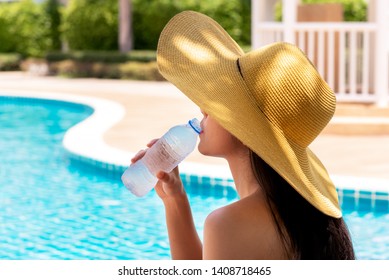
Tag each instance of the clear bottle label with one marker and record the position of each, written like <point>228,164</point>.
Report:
<point>161,157</point>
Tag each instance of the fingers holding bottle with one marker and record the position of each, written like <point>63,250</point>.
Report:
<point>164,154</point>
<point>169,184</point>
<point>142,152</point>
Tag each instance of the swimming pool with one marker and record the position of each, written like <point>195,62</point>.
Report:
<point>54,206</point>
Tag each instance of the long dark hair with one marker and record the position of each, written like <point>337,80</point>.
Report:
<point>306,232</point>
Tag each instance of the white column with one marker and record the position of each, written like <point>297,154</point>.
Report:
<point>381,53</point>
<point>255,9</point>
<point>289,16</point>
<point>261,11</point>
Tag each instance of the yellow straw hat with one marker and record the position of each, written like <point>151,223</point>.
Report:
<point>272,99</point>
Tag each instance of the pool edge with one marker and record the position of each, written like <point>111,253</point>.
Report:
<point>84,141</point>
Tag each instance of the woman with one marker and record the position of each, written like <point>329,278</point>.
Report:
<point>261,111</point>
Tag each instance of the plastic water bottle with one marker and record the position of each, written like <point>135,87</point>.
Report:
<point>172,148</point>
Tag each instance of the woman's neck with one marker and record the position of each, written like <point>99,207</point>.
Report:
<point>243,175</point>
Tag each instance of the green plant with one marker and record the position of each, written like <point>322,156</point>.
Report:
<point>234,16</point>
<point>102,56</point>
<point>66,68</point>
<point>10,61</point>
<point>52,9</point>
<point>129,70</point>
<point>140,71</point>
<point>88,56</point>
<point>246,22</point>
<point>6,38</point>
<point>149,18</point>
<point>23,28</point>
<point>353,10</point>
<point>91,24</point>
<point>142,55</point>
<point>226,13</point>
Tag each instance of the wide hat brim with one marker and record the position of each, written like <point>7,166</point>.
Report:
<point>199,57</point>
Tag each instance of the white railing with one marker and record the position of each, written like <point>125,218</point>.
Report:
<point>352,57</point>
<point>340,51</point>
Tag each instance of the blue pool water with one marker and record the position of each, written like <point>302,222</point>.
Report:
<point>53,207</point>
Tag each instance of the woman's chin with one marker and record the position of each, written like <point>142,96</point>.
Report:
<point>201,151</point>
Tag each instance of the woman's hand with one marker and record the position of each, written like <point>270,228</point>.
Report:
<point>184,241</point>
<point>169,185</point>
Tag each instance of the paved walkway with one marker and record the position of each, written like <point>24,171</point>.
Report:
<point>350,146</point>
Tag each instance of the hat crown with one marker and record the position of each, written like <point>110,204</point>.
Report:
<point>287,88</point>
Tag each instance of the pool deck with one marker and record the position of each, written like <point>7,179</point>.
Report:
<point>354,147</point>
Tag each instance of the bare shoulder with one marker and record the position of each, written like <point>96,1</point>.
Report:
<point>242,230</point>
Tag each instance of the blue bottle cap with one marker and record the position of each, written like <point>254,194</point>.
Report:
<point>195,124</point>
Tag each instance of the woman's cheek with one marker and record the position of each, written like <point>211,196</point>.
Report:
<point>207,147</point>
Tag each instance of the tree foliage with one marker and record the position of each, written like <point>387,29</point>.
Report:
<point>23,28</point>
<point>91,24</point>
<point>52,10</point>
<point>151,16</point>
